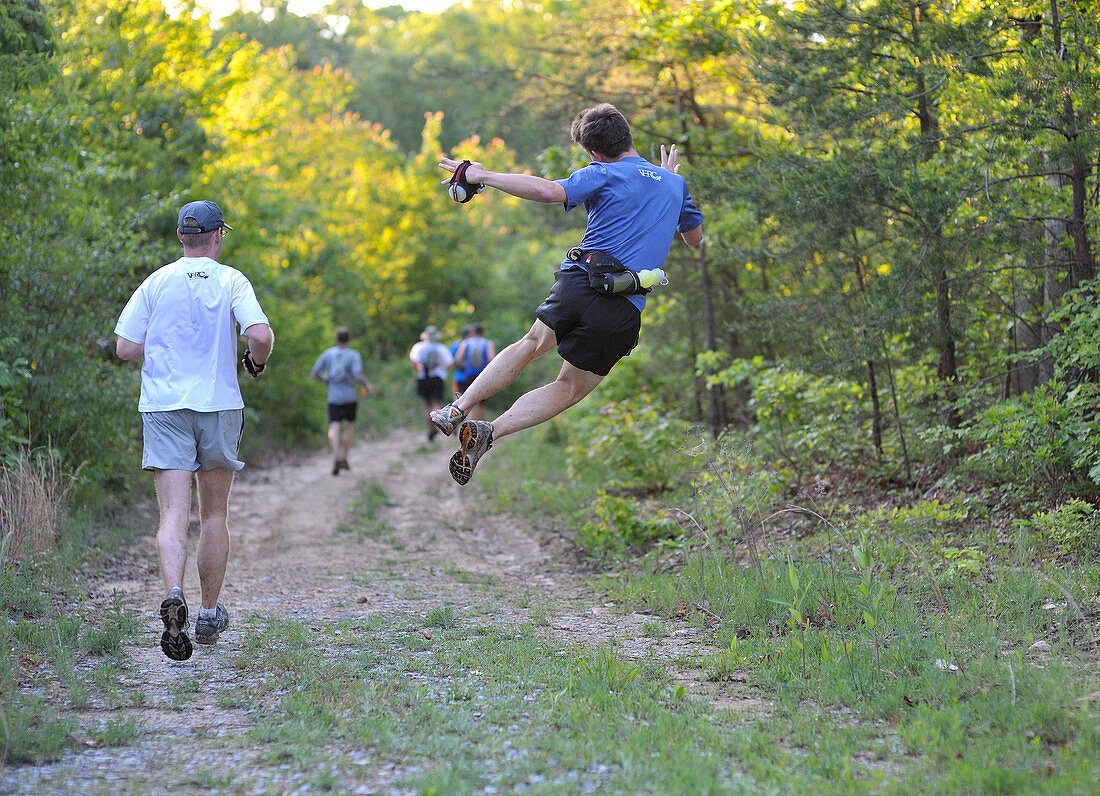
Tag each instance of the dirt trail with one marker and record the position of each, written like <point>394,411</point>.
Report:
<point>290,560</point>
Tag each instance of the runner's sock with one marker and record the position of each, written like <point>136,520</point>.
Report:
<point>208,613</point>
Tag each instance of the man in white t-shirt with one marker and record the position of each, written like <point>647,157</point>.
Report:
<point>182,325</point>
<point>430,359</point>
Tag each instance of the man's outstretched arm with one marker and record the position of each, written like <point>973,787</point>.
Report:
<point>525,186</point>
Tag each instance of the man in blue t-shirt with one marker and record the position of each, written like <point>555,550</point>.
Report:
<point>459,382</point>
<point>472,355</point>
<point>634,211</point>
<point>341,368</point>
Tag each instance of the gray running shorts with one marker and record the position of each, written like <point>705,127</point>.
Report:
<point>187,440</point>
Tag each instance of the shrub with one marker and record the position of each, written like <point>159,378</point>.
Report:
<point>1033,442</point>
<point>621,527</point>
<point>14,376</point>
<point>923,517</point>
<point>633,444</point>
<point>803,420</point>
<point>1071,529</point>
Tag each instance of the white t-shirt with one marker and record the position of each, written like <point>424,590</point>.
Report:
<point>187,313</point>
<point>434,358</point>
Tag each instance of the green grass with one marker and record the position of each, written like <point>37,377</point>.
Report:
<point>47,637</point>
<point>506,707</point>
<point>885,652</point>
<point>943,662</point>
<point>364,514</point>
<point>473,708</point>
<point>893,648</point>
<point>529,479</point>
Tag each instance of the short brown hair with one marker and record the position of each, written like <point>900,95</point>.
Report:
<point>602,129</point>
<point>343,335</point>
<point>196,240</point>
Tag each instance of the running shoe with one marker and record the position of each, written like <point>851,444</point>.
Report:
<point>476,438</point>
<point>173,612</point>
<point>447,419</point>
<point>207,628</point>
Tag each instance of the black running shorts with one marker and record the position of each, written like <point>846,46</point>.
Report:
<point>338,412</point>
<point>430,389</point>
<point>594,330</point>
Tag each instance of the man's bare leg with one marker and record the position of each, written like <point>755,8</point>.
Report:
<point>174,498</point>
<point>213,553</point>
<point>334,439</point>
<point>507,365</point>
<point>349,436</point>
<point>550,400</point>
<point>530,409</point>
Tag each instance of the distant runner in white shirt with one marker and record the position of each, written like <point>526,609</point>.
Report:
<point>182,325</point>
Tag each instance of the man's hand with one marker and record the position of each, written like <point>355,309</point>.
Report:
<point>253,367</point>
<point>474,172</point>
<point>668,159</point>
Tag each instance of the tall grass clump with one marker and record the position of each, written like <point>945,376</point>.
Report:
<point>33,489</point>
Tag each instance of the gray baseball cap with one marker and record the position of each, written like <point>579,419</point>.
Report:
<point>207,216</point>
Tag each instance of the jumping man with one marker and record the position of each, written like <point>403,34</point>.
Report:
<point>634,211</point>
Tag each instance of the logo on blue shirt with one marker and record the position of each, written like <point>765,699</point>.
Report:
<point>650,173</point>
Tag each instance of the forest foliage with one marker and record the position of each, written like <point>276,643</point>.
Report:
<point>897,279</point>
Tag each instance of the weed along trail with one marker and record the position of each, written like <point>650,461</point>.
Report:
<point>387,636</point>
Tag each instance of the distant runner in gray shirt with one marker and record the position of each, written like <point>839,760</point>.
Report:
<point>341,368</point>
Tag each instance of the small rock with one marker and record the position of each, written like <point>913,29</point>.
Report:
<point>1040,646</point>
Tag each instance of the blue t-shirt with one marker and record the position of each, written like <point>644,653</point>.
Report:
<point>458,374</point>
<point>634,211</point>
<point>476,357</point>
<point>342,367</point>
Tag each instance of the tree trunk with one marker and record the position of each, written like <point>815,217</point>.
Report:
<point>715,395</point>
<point>1062,268</point>
<point>876,409</point>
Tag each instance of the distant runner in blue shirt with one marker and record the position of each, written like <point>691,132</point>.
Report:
<point>635,209</point>
<point>459,382</point>
<point>341,368</point>
<point>472,356</point>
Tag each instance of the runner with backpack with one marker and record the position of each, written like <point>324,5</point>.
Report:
<point>430,359</point>
<point>472,356</point>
